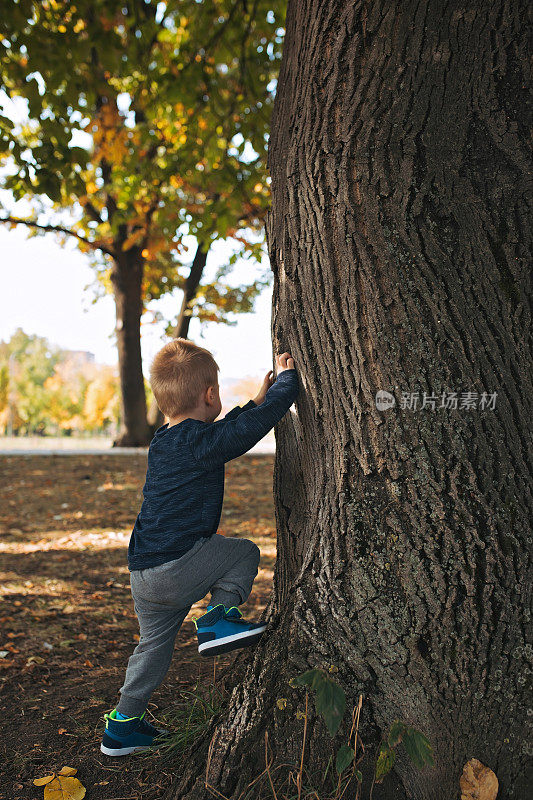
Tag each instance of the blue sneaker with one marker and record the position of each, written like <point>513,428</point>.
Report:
<point>124,736</point>
<point>220,631</point>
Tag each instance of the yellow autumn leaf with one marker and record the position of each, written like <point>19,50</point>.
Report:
<point>35,659</point>
<point>478,782</point>
<point>43,781</point>
<point>62,788</point>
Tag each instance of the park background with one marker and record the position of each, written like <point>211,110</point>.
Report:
<point>70,499</point>
<point>71,400</point>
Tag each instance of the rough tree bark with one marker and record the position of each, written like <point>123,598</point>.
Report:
<point>155,416</point>
<point>126,278</point>
<point>399,237</point>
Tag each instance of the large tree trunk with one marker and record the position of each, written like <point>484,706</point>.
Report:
<point>399,238</point>
<point>155,416</point>
<point>127,279</point>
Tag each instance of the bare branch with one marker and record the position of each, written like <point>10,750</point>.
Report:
<point>93,211</point>
<point>59,229</point>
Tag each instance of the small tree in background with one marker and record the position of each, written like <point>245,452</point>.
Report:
<point>46,390</point>
<point>101,407</point>
<point>27,363</point>
<point>64,396</point>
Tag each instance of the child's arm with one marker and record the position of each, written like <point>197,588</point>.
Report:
<point>258,399</point>
<point>215,443</point>
<point>238,410</point>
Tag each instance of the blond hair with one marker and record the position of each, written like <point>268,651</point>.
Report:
<point>180,373</point>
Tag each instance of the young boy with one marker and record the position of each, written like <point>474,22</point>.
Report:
<point>175,555</point>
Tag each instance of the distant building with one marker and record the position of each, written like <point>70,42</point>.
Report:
<point>80,357</point>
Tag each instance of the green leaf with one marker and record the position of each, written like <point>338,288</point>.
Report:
<point>306,678</point>
<point>397,730</point>
<point>418,748</point>
<point>345,756</point>
<point>330,699</point>
<point>385,761</point>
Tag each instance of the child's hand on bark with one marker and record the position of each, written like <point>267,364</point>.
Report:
<point>267,383</point>
<point>284,361</point>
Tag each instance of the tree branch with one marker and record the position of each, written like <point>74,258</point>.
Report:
<point>60,229</point>
<point>88,206</point>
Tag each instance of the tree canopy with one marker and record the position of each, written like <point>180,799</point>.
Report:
<point>145,121</point>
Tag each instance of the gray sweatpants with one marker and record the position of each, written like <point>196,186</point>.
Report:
<point>163,597</point>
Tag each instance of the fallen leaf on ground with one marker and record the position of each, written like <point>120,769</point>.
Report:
<point>61,786</point>
<point>478,782</point>
<point>43,781</point>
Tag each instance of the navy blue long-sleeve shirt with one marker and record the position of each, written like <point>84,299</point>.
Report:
<point>184,487</point>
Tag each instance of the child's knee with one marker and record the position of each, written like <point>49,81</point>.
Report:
<point>253,553</point>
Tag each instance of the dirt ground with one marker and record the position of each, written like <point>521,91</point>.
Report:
<point>67,625</point>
